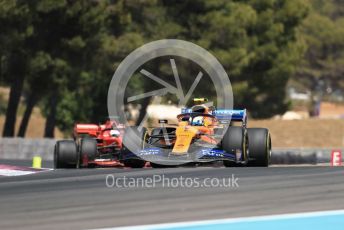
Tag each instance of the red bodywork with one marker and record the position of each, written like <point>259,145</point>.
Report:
<point>108,144</point>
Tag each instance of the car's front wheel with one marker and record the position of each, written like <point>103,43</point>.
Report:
<point>65,154</point>
<point>235,139</point>
<point>88,151</point>
<point>259,147</point>
<point>134,139</point>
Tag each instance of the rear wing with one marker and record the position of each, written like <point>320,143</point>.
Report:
<point>88,129</point>
<point>225,116</point>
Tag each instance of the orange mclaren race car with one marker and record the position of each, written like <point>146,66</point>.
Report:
<point>205,134</point>
<point>93,145</point>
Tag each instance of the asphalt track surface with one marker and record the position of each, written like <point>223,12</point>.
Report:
<point>79,199</point>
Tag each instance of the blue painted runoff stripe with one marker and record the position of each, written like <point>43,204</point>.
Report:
<point>333,220</point>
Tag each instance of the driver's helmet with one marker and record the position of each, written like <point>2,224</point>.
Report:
<point>198,121</point>
<point>111,126</point>
<point>201,109</point>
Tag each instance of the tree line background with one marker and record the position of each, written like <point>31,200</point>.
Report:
<point>60,55</point>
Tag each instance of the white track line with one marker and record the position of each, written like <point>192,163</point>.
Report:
<point>12,172</point>
<point>229,221</point>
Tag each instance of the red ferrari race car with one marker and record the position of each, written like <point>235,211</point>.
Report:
<point>93,145</point>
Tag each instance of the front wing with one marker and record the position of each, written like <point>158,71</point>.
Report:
<point>201,155</point>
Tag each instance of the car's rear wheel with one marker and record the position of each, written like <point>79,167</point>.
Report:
<point>88,151</point>
<point>134,163</point>
<point>259,147</point>
<point>157,165</point>
<point>235,139</point>
<point>131,142</point>
<point>65,154</point>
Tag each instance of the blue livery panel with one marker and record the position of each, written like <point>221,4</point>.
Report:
<point>204,153</point>
<point>227,114</point>
<point>224,115</point>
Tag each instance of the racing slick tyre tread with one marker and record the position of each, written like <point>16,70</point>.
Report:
<point>88,146</point>
<point>135,162</point>
<point>155,165</point>
<point>235,138</point>
<point>259,147</point>
<point>65,154</point>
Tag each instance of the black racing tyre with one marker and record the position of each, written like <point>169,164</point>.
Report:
<point>128,140</point>
<point>160,166</point>
<point>235,138</point>
<point>65,154</point>
<point>218,131</point>
<point>88,147</point>
<point>259,147</point>
<point>134,163</point>
<point>155,165</point>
